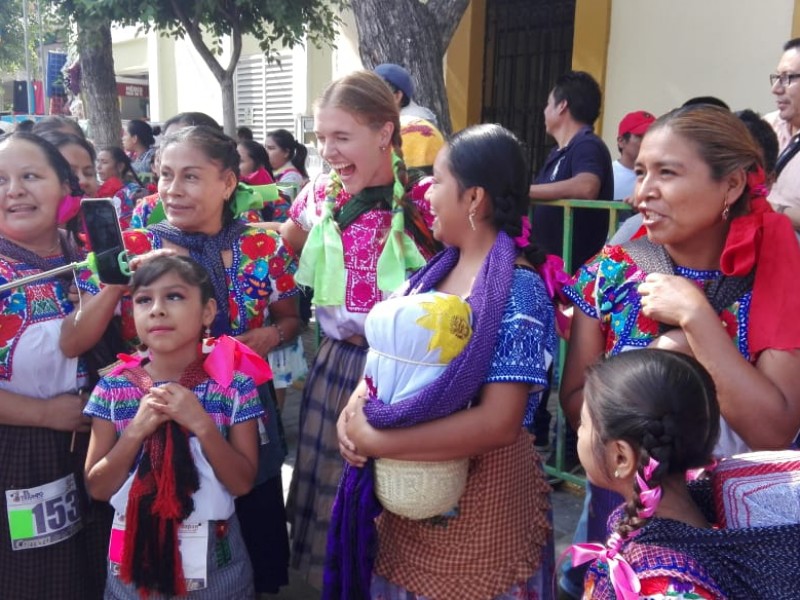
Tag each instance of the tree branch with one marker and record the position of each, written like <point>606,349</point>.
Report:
<point>447,15</point>
<point>197,41</point>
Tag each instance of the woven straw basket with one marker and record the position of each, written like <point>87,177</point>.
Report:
<point>420,490</point>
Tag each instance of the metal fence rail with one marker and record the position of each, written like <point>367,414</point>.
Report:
<point>614,208</point>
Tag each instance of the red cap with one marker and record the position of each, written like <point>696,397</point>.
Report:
<point>636,123</point>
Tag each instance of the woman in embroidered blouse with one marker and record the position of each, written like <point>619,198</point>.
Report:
<point>495,543</point>
<point>358,213</point>
<point>252,272</point>
<point>39,415</point>
<point>689,285</point>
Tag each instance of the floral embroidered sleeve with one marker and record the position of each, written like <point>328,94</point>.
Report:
<point>267,266</point>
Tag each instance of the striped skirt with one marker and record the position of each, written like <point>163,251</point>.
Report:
<point>231,581</point>
<point>337,369</point>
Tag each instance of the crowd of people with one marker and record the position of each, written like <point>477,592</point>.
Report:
<point>147,462</point>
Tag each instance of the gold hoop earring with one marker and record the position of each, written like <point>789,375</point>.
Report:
<point>472,221</point>
<point>726,213</point>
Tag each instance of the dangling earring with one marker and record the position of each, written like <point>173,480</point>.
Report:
<point>207,332</point>
<point>472,221</point>
<point>726,213</point>
<point>616,474</point>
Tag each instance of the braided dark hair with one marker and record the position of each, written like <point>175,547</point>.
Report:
<point>218,147</point>
<point>489,156</point>
<point>662,403</point>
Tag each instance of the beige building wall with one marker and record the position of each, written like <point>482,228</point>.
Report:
<point>664,52</point>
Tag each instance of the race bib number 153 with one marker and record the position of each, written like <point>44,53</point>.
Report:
<point>43,515</point>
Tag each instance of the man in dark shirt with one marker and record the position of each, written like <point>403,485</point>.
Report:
<point>578,168</point>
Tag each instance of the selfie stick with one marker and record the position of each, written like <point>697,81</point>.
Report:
<point>90,262</point>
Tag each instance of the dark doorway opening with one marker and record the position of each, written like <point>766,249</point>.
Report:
<point>528,45</point>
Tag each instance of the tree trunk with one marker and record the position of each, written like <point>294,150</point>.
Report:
<point>99,82</point>
<point>414,35</point>
<point>228,105</point>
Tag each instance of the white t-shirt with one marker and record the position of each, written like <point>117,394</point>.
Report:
<point>624,180</point>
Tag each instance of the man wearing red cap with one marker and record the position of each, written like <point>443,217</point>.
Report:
<point>631,130</point>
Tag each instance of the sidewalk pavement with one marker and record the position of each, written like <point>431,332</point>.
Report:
<point>567,499</point>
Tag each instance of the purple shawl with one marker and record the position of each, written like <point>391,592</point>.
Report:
<point>352,536</point>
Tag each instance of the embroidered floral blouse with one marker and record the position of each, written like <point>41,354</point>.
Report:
<point>362,240</point>
<point>261,272</point>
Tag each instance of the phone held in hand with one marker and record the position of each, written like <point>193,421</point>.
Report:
<point>105,236</point>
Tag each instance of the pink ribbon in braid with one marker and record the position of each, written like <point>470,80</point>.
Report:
<point>623,578</point>
<point>649,496</point>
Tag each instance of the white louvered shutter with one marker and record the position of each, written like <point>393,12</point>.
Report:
<point>264,94</point>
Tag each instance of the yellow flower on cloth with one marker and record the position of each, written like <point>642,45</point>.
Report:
<point>448,317</point>
<point>411,341</point>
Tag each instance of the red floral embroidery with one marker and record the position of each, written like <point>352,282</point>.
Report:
<point>136,242</point>
<point>258,245</point>
<point>9,327</point>
<point>277,265</point>
<point>285,283</point>
<point>646,325</point>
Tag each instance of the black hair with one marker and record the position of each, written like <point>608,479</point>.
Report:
<point>297,151</point>
<point>59,139</point>
<point>119,157</point>
<point>142,131</point>
<point>26,125</point>
<point>189,270</point>
<point>662,403</point>
<point>191,119</point>
<point>244,133</point>
<point>59,164</point>
<point>257,153</point>
<point>490,156</point>
<point>792,44</point>
<point>582,94</point>
<point>54,158</point>
<point>764,135</point>
<point>711,100</point>
<point>217,147</point>
<point>58,123</point>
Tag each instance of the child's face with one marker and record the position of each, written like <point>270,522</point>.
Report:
<point>170,315</point>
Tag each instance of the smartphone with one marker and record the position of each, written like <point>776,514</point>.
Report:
<point>102,226</point>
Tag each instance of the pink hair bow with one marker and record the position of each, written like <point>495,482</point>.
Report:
<point>228,355</point>
<point>555,278</point>
<point>650,497</point>
<point>126,361</point>
<point>523,240</point>
<point>623,578</point>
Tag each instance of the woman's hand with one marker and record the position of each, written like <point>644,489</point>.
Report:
<point>181,405</point>
<point>673,300</point>
<point>348,448</point>
<point>261,340</point>
<point>65,413</point>
<point>138,261</point>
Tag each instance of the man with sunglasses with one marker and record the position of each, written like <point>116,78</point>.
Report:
<point>785,193</point>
